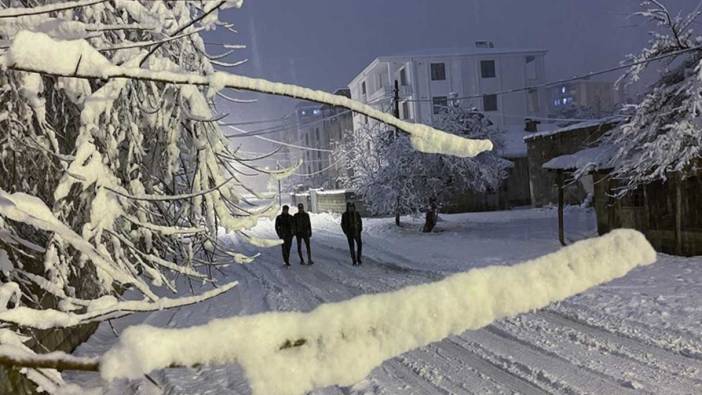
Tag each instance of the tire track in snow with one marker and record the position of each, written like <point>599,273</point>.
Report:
<point>676,364</point>
<point>677,341</point>
<point>541,365</point>
<point>594,354</point>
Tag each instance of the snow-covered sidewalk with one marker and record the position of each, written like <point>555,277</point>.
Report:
<point>638,334</point>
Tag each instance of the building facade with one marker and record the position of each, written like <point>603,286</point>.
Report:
<point>598,98</point>
<point>428,80</point>
<point>316,132</point>
<point>545,146</point>
<point>477,77</point>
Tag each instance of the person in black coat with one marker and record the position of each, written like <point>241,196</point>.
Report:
<point>352,225</point>
<point>284,227</point>
<point>303,232</point>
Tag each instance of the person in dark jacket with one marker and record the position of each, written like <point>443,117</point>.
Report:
<point>303,231</point>
<point>284,227</point>
<point>352,225</point>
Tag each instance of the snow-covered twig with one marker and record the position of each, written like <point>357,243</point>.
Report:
<point>424,138</point>
<point>19,12</point>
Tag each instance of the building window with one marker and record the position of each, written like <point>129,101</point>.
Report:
<point>487,68</point>
<point>406,110</point>
<point>307,139</point>
<point>490,102</point>
<point>316,132</point>
<point>533,101</point>
<point>438,72</point>
<point>363,87</point>
<point>531,67</point>
<point>403,77</point>
<point>440,104</point>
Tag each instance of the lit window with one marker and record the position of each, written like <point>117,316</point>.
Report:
<point>565,101</point>
<point>563,90</point>
<point>316,111</point>
<point>438,72</point>
<point>487,68</point>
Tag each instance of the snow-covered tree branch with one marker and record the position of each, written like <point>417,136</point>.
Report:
<point>662,136</point>
<point>114,173</point>
<point>340,343</point>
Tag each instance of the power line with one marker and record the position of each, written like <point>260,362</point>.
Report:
<point>320,171</point>
<point>576,78</point>
<point>279,128</point>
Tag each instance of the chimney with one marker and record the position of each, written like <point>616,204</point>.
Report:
<point>484,44</point>
<point>531,125</point>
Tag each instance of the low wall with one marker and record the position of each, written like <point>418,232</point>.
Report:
<point>319,201</point>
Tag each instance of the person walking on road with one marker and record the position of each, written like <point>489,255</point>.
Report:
<point>303,231</point>
<point>285,230</point>
<point>352,225</point>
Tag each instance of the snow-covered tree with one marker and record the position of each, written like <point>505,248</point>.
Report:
<point>393,178</point>
<point>663,136</point>
<point>109,184</point>
<point>114,173</point>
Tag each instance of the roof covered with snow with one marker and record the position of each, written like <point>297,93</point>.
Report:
<point>513,144</point>
<point>594,158</point>
<point>465,51</point>
<point>607,121</point>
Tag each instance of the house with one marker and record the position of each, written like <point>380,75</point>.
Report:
<point>547,145</point>
<point>428,79</point>
<point>668,212</point>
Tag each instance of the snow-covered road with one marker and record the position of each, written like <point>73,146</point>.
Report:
<point>639,334</point>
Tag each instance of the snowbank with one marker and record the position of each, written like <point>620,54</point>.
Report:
<point>340,343</point>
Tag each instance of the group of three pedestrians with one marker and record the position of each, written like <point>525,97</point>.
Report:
<point>299,226</point>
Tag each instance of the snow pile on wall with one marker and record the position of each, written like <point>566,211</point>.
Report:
<point>340,343</point>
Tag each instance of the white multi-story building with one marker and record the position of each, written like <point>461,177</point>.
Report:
<point>429,79</point>
<point>317,129</point>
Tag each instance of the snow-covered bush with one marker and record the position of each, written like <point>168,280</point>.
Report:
<point>391,177</point>
<point>663,136</point>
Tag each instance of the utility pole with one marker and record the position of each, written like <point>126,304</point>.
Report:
<point>396,100</point>
<point>280,196</point>
<point>396,113</point>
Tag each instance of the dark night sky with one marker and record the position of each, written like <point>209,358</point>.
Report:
<point>323,44</point>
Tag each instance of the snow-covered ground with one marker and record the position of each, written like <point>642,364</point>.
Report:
<point>638,334</point>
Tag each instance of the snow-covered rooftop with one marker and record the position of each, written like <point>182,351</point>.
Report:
<point>615,119</point>
<point>595,158</point>
<point>513,144</point>
<point>466,51</point>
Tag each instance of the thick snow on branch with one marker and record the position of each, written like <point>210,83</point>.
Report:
<point>30,50</point>
<point>340,343</point>
<point>17,12</point>
<point>106,306</point>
